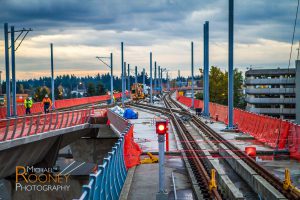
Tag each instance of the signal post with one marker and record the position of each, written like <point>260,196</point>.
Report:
<point>161,131</point>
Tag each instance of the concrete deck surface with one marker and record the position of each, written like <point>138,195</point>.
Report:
<point>276,166</point>
<point>144,183</point>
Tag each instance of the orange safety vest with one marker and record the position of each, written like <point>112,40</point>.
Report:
<point>47,101</point>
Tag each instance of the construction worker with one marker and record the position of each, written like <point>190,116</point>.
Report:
<point>47,103</point>
<point>28,105</point>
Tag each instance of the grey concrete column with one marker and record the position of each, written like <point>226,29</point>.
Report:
<point>297,80</point>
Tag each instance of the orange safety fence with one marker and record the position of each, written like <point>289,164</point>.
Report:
<point>132,151</point>
<point>65,103</point>
<point>276,133</point>
<point>294,141</point>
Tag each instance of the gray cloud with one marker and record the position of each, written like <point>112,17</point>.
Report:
<point>144,23</point>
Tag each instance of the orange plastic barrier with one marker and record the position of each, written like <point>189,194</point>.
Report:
<point>294,141</point>
<point>132,151</point>
<point>271,131</point>
<point>38,107</point>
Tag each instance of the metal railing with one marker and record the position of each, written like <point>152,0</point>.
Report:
<point>270,81</point>
<point>108,181</point>
<point>25,126</point>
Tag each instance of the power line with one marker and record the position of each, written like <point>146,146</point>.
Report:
<point>295,24</point>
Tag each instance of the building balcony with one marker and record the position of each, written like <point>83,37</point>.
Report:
<point>275,111</point>
<point>254,100</point>
<point>270,90</point>
<point>270,81</point>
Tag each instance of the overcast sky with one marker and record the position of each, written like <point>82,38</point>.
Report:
<point>84,29</point>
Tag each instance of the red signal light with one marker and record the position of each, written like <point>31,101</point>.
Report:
<point>161,127</point>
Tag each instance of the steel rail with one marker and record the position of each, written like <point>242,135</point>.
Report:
<point>209,132</point>
<point>193,152</point>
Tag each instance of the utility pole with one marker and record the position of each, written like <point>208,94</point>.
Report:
<point>161,82</point>
<point>158,81</point>
<point>230,64</point>
<point>7,71</point>
<point>111,80</point>
<point>128,77</point>
<point>122,65</point>
<point>155,83</point>
<point>151,95</point>
<point>13,66</point>
<point>144,81</point>
<point>125,77</point>
<point>110,66</point>
<point>52,77</point>
<point>13,70</point>
<point>168,81</point>
<point>0,82</point>
<point>206,69</point>
<point>179,79</point>
<point>136,75</point>
<point>192,69</point>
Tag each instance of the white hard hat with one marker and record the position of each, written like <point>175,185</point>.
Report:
<point>46,95</point>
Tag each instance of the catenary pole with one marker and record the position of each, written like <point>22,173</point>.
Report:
<point>7,71</point>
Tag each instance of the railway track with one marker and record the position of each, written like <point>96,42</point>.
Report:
<point>194,152</point>
<point>218,139</point>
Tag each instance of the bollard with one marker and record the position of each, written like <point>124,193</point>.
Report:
<point>161,129</point>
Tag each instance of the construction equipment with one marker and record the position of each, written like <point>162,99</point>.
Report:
<point>150,160</point>
<point>137,91</point>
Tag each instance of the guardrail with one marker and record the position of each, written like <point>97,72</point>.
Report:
<point>25,126</point>
<point>276,133</point>
<point>109,179</point>
<point>65,103</point>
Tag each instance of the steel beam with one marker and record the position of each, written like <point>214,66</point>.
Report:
<point>111,80</point>
<point>7,71</point>
<point>155,83</point>
<point>230,64</point>
<point>128,77</point>
<point>206,69</point>
<point>52,77</point>
<point>136,75</point>
<point>122,75</point>
<point>13,70</point>
<point>158,82</point>
<point>192,72</point>
<point>151,91</point>
<point>144,79</point>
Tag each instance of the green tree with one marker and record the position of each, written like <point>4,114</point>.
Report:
<point>239,98</point>
<point>100,90</point>
<point>40,93</point>
<point>199,95</point>
<point>59,92</point>
<point>91,90</point>
<point>218,87</point>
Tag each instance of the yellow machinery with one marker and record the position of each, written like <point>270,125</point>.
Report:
<point>150,160</point>
<point>137,91</point>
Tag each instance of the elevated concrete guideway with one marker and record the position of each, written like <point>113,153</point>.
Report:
<point>28,145</point>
